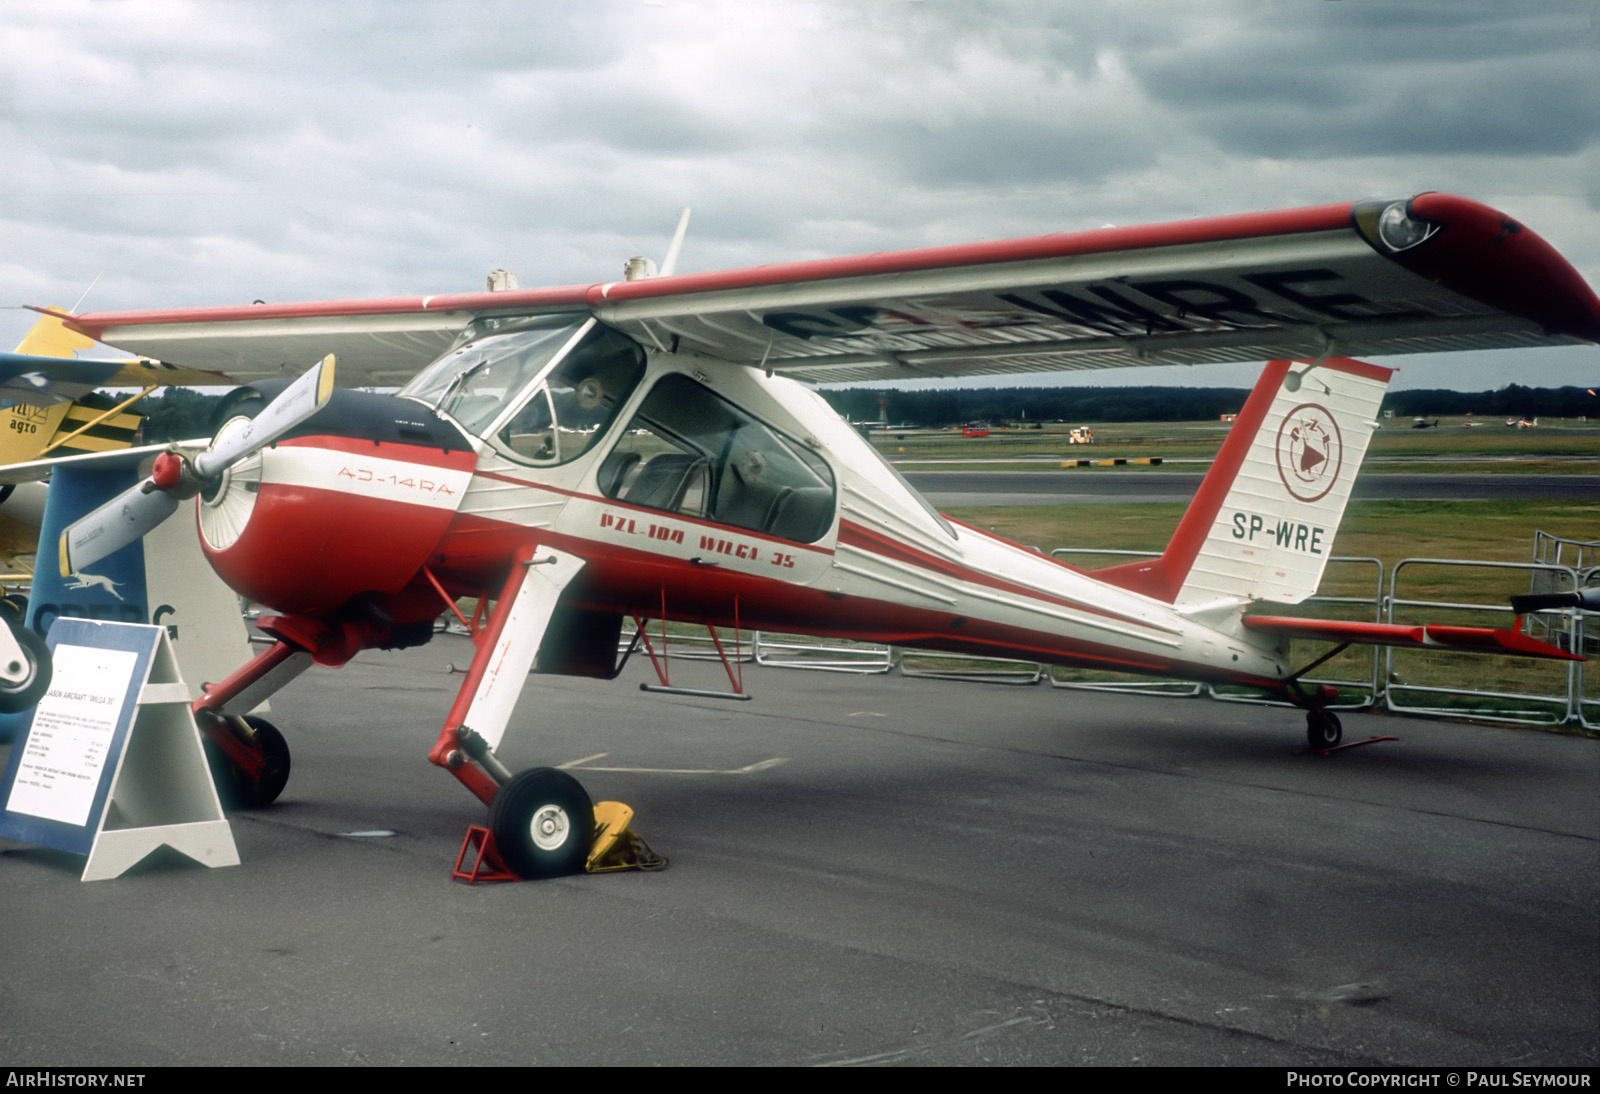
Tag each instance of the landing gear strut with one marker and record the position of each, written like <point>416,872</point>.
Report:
<point>255,780</point>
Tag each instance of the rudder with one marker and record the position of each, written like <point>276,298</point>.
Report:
<point>1261,526</point>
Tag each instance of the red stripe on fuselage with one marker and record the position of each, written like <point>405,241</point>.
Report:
<point>633,581</point>
<point>657,513</point>
<point>871,542</point>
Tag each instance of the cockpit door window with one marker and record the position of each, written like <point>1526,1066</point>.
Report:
<point>688,450</point>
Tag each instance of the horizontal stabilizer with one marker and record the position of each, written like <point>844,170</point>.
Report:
<point>1498,640</point>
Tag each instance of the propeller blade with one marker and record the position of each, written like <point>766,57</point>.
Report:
<point>295,404</point>
<point>114,525</point>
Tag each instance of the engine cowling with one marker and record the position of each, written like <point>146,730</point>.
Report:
<point>331,514</point>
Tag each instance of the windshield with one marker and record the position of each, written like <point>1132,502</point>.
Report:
<point>474,383</point>
<point>569,412</point>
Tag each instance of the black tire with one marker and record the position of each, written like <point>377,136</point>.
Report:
<point>1323,729</point>
<point>35,672</point>
<point>543,823</point>
<point>237,788</point>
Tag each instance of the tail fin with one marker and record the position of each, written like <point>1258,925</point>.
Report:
<point>1261,526</point>
<point>49,337</point>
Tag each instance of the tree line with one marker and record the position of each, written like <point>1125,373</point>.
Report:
<point>180,413</point>
<point>953,406</point>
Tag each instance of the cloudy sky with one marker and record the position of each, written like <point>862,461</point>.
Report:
<point>219,152</point>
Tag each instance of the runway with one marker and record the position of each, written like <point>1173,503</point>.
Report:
<point>863,870</point>
<point>1098,486</point>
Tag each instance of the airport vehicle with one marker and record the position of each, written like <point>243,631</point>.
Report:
<point>580,456</point>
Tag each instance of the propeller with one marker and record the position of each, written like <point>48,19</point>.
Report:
<point>134,512</point>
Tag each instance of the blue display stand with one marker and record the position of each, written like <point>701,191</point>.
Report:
<point>111,766</point>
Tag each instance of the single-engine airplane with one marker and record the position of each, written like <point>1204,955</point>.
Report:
<point>585,454</point>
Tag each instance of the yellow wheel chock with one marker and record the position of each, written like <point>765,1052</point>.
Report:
<point>616,846</point>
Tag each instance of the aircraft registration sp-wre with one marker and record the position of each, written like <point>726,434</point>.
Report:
<point>647,448</point>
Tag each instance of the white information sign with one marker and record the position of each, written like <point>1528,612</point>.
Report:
<point>72,734</point>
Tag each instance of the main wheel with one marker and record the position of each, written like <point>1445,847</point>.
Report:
<point>1323,729</point>
<point>237,788</point>
<point>32,673</point>
<point>543,823</point>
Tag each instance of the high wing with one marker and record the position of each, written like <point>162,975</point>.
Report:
<point>1433,273</point>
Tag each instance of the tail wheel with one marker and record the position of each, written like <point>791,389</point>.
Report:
<point>543,823</point>
<point>30,677</point>
<point>1323,729</point>
<point>239,789</point>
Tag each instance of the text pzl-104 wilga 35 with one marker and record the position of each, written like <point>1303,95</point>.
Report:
<point>580,456</point>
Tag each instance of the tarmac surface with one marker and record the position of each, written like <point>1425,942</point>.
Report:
<point>1089,486</point>
<point>863,870</point>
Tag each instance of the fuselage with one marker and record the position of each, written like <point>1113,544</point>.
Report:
<point>694,490</point>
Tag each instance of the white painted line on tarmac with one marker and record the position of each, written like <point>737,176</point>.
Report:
<point>587,764</point>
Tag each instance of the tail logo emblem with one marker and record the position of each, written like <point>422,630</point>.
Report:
<point>1310,452</point>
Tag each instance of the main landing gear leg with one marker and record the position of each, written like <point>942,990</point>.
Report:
<point>542,819</point>
<point>248,756</point>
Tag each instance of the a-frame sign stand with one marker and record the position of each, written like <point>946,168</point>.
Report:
<point>112,766</point>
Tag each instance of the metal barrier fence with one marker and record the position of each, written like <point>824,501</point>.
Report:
<point>1586,689</point>
<point>1517,690</point>
<point>800,651</point>
<point>1407,681</point>
<point>959,666</point>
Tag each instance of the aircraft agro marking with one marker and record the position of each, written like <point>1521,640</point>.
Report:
<point>1285,533</point>
<point>1167,305</point>
<point>1310,452</point>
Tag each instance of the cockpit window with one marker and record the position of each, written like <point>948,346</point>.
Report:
<point>690,451</point>
<point>476,382</point>
<point>571,409</point>
<point>496,387</point>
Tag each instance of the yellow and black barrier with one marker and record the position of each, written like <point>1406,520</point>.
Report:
<point>1120,461</point>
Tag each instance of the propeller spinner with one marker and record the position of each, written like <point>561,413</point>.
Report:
<point>133,513</point>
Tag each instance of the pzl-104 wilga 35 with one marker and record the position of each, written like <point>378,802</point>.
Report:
<point>584,455</point>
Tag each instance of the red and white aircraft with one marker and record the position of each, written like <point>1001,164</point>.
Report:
<point>586,454</point>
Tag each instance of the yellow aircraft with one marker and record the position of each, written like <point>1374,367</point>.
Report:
<point>54,409</point>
